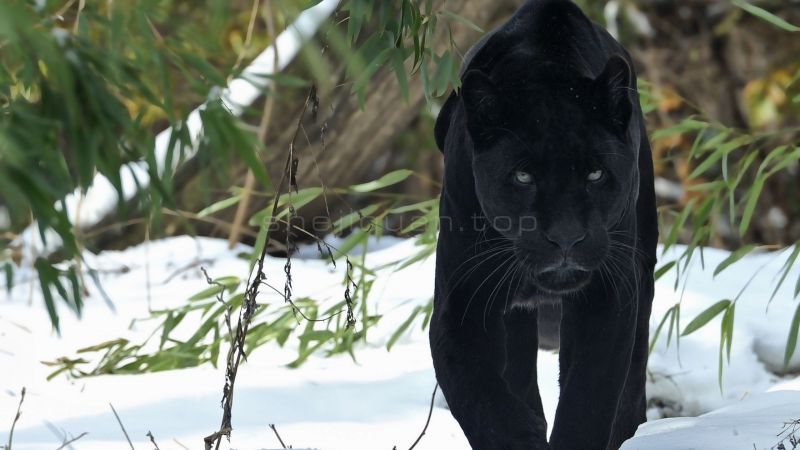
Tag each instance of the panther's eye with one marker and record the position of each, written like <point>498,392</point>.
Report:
<point>522,177</point>
<point>595,176</point>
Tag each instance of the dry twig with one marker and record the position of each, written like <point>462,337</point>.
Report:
<point>69,442</point>
<point>152,439</point>
<point>119,421</point>
<point>16,418</point>
<point>249,305</point>
<point>277,435</point>
<point>428,421</point>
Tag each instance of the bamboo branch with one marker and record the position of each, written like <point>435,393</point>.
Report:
<point>266,119</point>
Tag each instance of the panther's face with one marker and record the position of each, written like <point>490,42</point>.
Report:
<point>554,169</point>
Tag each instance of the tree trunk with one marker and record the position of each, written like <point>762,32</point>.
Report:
<point>705,51</point>
<point>354,139</point>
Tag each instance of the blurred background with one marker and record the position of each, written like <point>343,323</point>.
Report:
<point>87,85</point>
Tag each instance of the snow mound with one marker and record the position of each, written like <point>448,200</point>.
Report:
<point>760,422</point>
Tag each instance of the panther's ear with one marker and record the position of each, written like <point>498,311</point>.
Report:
<point>483,105</point>
<point>613,92</point>
<point>443,120</point>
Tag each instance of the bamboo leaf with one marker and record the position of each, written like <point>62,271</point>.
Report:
<point>248,155</point>
<point>672,237</point>
<point>403,328</point>
<point>77,298</point>
<point>443,74</point>
<point>797,287</point>
<point>727,328</point>
<point>733,257</point>
<point>359,236</point>
<point>387,180</point>
<point>674,326</point>
<point>753,195</point>
<point>360,217</point>
<point>228,283</point>
<point>469,24</point>
<point>219,206</point>
<point>214,347</point>
<point>763,14</point>
<point>664,269</point>
<point>296,199</point>
<point>46,278</point>
<point>706,316</point>
<point>791,341</point>
<point>204,67</point>
<point>787,266</point>
<point>657,333</point>
<point>426,253</point>
<point>9,271</point>
<point>424,206</point>
<point>719,153</point>
<point>400,73</point>
<point>317,335</point>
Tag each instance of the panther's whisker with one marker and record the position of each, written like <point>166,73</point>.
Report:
<point>482,253</point>
<point>617,275</point>
<point>488,307</point>
<point>517,267</point>
<point>617,265</point>
<point>637,252</point>
<point>523,269</point>
<point>472,297</point>
<point>486,255</point>
<point>608,277</point>
<point>481,257</point>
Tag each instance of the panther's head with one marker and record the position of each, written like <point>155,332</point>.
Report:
<point>554,164</point>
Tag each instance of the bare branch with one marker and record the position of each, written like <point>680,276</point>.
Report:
<point>152,439</point>
<point>69,442</point>
<point>16,418</point>
<point>277,435</point>
<point>119,421</point>
<point>427,422</point>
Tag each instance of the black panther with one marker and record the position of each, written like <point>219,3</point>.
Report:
<point>547,199</point>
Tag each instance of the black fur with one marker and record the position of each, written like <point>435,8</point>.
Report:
<point>548,200</point>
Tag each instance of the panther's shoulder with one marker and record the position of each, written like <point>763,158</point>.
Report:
<point>542,33</point>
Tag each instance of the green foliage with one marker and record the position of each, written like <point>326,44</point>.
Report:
<point>205,317</point>
<point>83,89</point>
<point>766,15</point>
<point>791,343</point>
<point>51,279</point>
<point>131,75</point>
<point>406,32</point>
<point>80,94</point>
<point>730,169</point>
<point>423,311</point>
<point>706,316</point>
<point>735,165</point>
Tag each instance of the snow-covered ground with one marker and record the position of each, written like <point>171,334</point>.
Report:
<point>382,399</point>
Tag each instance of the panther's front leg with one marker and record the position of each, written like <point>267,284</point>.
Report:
<point>468,362</point>
<point>597,335</point>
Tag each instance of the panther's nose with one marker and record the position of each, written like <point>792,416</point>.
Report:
<point>564,240</point>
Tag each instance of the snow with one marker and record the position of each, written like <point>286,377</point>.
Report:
<point>381,399</point>
<point>687,377</point>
